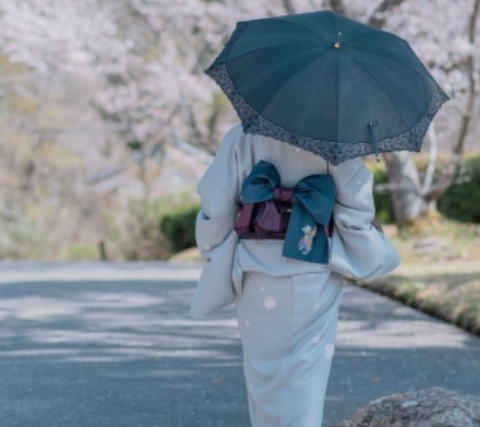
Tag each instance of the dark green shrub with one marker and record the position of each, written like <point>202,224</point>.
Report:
<point>461,201</point>
<point>383,200</point>
<point>179,227</point>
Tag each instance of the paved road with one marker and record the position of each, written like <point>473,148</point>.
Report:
<point>112,345</point>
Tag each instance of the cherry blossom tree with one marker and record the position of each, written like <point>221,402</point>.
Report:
<point>444,34</point>
<point>144,60</point>
<point>440,31</point>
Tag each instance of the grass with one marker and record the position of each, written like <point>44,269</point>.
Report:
<point>453,297</point>
<point>460,241</point>
<point>444,281</point>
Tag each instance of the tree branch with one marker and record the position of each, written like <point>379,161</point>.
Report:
<point>191,149</point>
<point>338,6</point>
<point>384,6</point>
<point>385,188</point>
<point>288,5</point>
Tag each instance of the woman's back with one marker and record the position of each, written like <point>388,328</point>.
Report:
<point>292,163</point>
<point>286,308</point>
<point>357,249</point>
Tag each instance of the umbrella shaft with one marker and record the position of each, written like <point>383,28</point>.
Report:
<point>372,138</point>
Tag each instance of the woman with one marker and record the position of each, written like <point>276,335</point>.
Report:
<point>287,309</point>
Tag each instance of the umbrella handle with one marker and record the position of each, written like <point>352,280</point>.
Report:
<point>372,138</point>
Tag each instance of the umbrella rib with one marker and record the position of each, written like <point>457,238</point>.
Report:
<point>262,48</point>
<point>305,28</point>
<point>399,63</point>
<point>366,34</point>
<point>381,88</point>
<point>291,77</point>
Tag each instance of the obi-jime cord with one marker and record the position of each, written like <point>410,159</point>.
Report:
<point>300,215</point>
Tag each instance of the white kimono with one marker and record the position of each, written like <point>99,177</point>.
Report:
<point>287,309</point>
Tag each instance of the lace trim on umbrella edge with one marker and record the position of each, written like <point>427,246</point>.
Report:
<point>332,151</point>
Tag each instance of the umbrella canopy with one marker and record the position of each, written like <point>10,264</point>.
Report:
<point>327,84</point>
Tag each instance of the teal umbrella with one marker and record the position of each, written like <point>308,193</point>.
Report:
<point>327,84</point>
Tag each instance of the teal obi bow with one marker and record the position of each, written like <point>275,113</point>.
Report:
<point>266,202</point>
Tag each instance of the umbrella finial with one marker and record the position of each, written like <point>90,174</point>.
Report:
<point>337,43</point>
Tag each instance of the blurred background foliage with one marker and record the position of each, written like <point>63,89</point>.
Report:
<point>108,120</point>
<point>461,202</point>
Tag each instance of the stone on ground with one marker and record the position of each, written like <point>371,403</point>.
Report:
<point>433,407</point>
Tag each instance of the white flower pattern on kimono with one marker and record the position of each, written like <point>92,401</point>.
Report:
<point>328,351</point>
<point>305,244</point>
<point>270,302</point>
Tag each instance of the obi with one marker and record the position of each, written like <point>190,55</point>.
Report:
<point>301,215</point>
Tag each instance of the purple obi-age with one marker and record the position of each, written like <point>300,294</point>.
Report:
<point>302,215</point>
<point>268,219</point>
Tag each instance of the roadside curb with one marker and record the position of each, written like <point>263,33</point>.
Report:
<point>408,293</point>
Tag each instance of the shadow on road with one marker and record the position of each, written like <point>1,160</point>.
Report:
<point>126,353</point>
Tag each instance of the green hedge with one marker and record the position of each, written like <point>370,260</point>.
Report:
<point>383,200</point>
<point>179,227</point>
<point>461,201</point>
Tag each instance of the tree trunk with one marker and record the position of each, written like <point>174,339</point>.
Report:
<point>288,5</point>
<point>402,173</point>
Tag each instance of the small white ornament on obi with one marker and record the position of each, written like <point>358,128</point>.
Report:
<point>328,351</point>
<point>206,247</point>
<point>269,302</point>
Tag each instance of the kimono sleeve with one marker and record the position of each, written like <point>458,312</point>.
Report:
<point>214,233</point>
<point>358,249</point>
